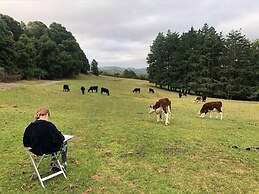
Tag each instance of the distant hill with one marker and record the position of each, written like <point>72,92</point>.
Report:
<point>120,70</point>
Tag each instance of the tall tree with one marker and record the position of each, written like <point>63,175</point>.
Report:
<point>190,59</point>
<point>236,66</point>
<point>94,67</point>
<point>211,47</point>
<point>155,60</point>
<point>47,58</point>
<point>36,29</point>
<point>13,26</point>
<point>255,69</point>
<point>85,65</point>
<point>25,58</point>
<point>171,59</point>
<point>6,47</point>
<point>71,58</point>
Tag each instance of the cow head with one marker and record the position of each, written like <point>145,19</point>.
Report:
<point>201,114</point>
<point>151,109</point>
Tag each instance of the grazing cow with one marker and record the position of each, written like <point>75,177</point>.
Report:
<point>151,90</point>
<point>92,88</point>
<point>211,106</point>
<point>83,89</point>
<point>66,88</point>
<point>180,94</point>
<point>197,99</point>
<point>162,106</point>
<point>136,90</point>
<point>204,98</point>
<point>105,90</point>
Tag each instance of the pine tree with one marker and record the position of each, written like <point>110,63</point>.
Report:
<point>94,67</point>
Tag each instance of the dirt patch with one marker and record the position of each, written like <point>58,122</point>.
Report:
<point>40,83</point>
<point>45,83</point>
<point>9,85</point>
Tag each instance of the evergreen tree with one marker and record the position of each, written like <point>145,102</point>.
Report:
<point>85,65</point>
<point>94,67</point>
<point>35,29</point>
<point>70,58</point>
<point>211,46</point>
<point>172,58</point>
<point>190,58</point>
<point>236,69</point>
<point>156,61</point>
<point>255,70</point>
<point>13,26</point>
<point>47,58</point>
<point>6,47</point>
<point>25,58</point>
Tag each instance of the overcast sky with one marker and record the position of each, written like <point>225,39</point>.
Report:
<point>120,32</point>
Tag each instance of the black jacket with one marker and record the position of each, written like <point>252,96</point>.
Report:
<point>43,137</point>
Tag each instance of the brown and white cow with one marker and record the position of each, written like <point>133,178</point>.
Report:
<point>197,99</point>
<point>163,105</point>
<point>211,106</point>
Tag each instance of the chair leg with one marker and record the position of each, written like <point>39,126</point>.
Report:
<point>36,169</point>
<point>60,166</point>
<point>37,165</point>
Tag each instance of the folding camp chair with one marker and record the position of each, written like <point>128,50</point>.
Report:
<point>41,177</point>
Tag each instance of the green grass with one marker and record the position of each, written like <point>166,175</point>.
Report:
<point>119,148</point>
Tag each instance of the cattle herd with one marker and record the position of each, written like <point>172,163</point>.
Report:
<point>163,105</point>
<point>103,90</point>
<point>91,89</point>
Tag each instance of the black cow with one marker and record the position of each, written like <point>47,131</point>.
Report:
<point>83,89</point>
<point>136,90</point>
<point>180,94</point>
<point>151,90</point>
<point>105,90</point>
<point>66,88</point>
<point>204,98</point>
<point>92,88</point>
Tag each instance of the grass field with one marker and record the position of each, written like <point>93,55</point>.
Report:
<point>119,148</point>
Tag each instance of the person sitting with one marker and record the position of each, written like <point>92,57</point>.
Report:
<point>43,137</point>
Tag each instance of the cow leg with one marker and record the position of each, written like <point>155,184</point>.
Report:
<point>158,117</point>
<point>221,115</point>
<point>166,118</point>
<point>169,115</point>
<point>217,114</point>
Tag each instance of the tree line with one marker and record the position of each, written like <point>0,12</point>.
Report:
<point>37,51</point>
<point>204,62</point>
